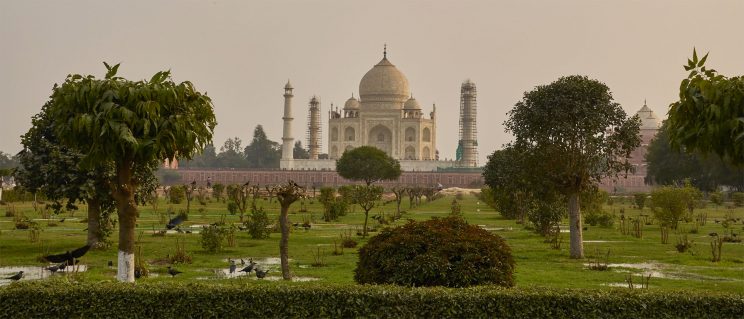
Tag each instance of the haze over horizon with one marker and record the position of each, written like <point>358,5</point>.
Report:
<point>242,53</point>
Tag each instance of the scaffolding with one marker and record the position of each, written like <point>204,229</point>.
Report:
<point>314,128</point>
<point>467,146</point>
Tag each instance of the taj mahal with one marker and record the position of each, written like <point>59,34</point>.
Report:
<point>385,116</point>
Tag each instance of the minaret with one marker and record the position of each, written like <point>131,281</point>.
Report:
<point>287,139</point>
<point>314,128</point>
<point>468,130</point>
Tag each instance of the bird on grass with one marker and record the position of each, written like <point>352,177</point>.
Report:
<point>174,222</point>
<point>137,273</point>
<point>16,277</point>
<point>242,262</point>
<point>232,266</point>
<point>69,257</point>
<point>110,264</point>
<point>250,267</point>
<point>260,273</point>
<point>173,272</point>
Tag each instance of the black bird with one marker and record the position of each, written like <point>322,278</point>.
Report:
<point>242,262</point>
<point>173,272</point>
<point>232,266</point>
<point>260,273</point>
<point>174,222</point>
<point>137,273</point>
<point>17,276</point>
<point>69,256</point>
<point>54,268</point>
<point>110,264</point>
<point>62,220</point>
<point>250,267</point>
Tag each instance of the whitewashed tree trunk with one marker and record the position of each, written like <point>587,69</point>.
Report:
<point>125,267</point>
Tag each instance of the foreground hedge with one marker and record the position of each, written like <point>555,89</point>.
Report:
<point>42,299</point>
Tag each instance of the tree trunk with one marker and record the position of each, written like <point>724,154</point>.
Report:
<point>284,242</point>
<point>127,210</point>
<point>94,223</point>
<point>574,225</point>
<point>364,231</point>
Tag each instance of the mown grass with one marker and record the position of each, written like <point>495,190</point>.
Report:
<point>537,264</point>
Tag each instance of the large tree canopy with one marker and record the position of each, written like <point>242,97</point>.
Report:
<point>670,166</point>
<point>262,152</point>
<point>709,116</point>
<point>574,135</point>
<point>368,164</point>
<point>130,123</point>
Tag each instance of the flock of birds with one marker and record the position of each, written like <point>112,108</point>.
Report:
<point>72,258</point>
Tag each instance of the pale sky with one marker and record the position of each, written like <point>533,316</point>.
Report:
<point>243,52</point>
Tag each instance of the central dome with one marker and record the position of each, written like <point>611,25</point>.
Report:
<point>384,83</point>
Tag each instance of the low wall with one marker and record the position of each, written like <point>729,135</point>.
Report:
<point>320,178</point>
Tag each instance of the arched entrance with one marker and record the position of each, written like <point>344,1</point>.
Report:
<point>381,137</point>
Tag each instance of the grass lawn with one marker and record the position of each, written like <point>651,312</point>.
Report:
<point>537,264</point>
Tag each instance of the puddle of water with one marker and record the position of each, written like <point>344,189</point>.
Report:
<point>34,272</point>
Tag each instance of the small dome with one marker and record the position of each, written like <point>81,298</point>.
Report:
<point>314,100</point>
<point>412,104</point>
<point>351,103</point>
<point>649,120</point>
<point>288,86</point>
<point>384,83</point>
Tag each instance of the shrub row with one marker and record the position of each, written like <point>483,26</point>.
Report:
<point>60,299</point>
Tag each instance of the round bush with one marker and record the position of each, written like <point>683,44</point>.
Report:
<point>438,252</point>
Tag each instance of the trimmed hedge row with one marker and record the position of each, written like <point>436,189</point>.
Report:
<point>58,299</point>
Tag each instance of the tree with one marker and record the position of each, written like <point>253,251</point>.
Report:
<point>231,154</point>
<point>286,194</point>
<point>707,117</point>
<point>52,169</point>
<point>510,181</point>
<point>368,164</point>
<point>129,124</point>
<point>262,152</point>
<point>366,197</point>
<point>672,166</point>
<point>574,134</point>
<point>669,204</point>
<point>300,152</point>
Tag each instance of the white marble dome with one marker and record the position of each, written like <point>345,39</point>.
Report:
<point>384,83</point>
<point>649,120</point>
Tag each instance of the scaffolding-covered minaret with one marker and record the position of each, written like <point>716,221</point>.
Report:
<point>467,148</point>
<point>314,129</point>
<point>287,139</point>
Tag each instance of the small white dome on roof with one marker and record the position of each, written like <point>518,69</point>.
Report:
<point>412,104</point>
<point>351,103</point>
<point>649,119</point>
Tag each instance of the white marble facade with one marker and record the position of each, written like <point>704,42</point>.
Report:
<point>385,116</point>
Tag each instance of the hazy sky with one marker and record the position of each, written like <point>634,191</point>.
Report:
<point>243,52</point>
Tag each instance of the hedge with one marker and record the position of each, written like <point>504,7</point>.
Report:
<point>61,299</point>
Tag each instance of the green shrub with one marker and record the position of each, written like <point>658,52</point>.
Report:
<point>177,194</point>
<point>218,191</point>
<point>61,298</point>
<point>639,199</point>
<point>336,210</point>
<point>257,223</point>
<point>438,252</point>
<point>602,218</point>
<point>213,237</point>
<point>738,199</point>
<point>232,207</point>
<point>716,198</point>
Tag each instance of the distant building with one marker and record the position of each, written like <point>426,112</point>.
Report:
<point>385,116</point>
<point>636,180</point>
